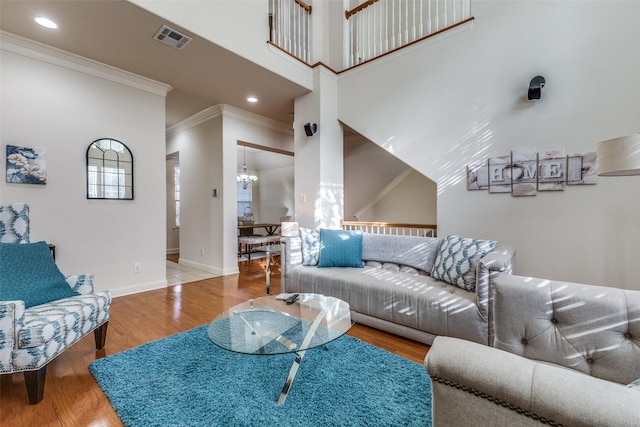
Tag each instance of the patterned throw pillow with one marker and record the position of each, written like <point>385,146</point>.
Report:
<point>457,261</point>
<point>634,385</point>
<point>310,246</point>
<point>29,273</point>
<point>340,248</point>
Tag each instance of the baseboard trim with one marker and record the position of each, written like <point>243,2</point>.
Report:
<point>137,288</point>
<point>199,266</point>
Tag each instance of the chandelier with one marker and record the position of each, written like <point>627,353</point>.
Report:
<point>244,178</point>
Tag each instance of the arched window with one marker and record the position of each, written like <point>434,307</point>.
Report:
<point>109,170</point>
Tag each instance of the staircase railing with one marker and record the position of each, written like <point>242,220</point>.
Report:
<point>395,228</point>
<point>289,26</point>
<point>377,27</point>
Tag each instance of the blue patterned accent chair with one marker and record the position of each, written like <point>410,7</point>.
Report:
<point>31,336</point>
<point>14,223</point>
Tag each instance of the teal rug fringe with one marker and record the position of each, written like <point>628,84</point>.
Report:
<point>186,380</point>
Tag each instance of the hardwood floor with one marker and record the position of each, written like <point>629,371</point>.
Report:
<point>73,398</point>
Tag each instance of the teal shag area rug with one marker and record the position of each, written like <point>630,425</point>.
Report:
<point>186,380</point>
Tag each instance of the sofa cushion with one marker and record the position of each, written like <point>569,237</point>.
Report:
<point>391,266</point>
<point>410,300</point>
<point>457,260</point>
<point>29,273</point>
<point>340,248</point>
<point>310,246</point>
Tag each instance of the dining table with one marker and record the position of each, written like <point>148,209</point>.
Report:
<point>270,228</point>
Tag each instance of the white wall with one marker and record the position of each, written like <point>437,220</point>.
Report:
<point>58,103</point>
<point>462,98</point>
<point>368,171</point>
<point>200,147</point>
<point>413,201</point>
<point>207,143</point>
<point>275,197</point>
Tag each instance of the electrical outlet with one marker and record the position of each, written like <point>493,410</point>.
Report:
<point>137,267</point>
<point>202,251</point>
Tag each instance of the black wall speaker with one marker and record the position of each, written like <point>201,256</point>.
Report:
<point>310,129</point>
<point>535,87</point>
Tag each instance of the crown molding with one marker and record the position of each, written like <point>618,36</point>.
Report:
<point>229,111</point>
<point>52,55</point>
<point>256,119</point>
<point>194,120</point>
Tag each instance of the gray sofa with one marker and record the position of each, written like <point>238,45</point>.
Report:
<point>394,292</point>
<point>563,354</point>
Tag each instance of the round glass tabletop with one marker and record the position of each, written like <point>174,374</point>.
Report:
<point>268,325</point>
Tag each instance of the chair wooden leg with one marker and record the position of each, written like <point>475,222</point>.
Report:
<point>100,335</point>
<point>34,381</point>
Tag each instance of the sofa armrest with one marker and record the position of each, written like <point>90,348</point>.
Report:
<point>11,315</point>
<point>290,256</point>
<point>499,261</point>
<point>81,283</point>
<point>494,385</point>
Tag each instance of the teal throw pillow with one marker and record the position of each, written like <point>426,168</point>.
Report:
<point>29,273</point>
<point>340,248</point>
<point>458,259</point>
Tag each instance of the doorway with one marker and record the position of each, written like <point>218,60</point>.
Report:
<point>173,203</point>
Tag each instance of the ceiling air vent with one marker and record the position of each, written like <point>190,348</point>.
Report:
<point>171,37</point>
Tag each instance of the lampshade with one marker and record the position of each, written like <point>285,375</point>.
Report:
<point>619,156</point>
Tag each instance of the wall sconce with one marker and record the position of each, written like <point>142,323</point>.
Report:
<point>310,129</point>
<point>535,87</point>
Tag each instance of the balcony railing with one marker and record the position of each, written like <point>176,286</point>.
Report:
<point>395,228</point>
<point>380,26</point>
<point>375,27</point>
<point>290,27</point>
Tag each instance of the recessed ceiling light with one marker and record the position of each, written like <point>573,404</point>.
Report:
<point>46,22</point>
<point>252,99</point>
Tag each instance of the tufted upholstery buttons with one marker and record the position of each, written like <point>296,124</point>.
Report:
<point>589,361</point>
<point>628,335</point>
<point>554,321</point>
<point>524,341</point>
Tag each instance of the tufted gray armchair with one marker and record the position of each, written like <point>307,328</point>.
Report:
<point>564,354</point>
<point>31,337</point>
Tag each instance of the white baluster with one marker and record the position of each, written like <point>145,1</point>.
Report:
<point>421,26</point>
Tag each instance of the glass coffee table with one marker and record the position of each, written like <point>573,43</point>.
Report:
<point>269,326</point>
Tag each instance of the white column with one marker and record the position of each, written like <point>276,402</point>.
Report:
<point>319,189</point>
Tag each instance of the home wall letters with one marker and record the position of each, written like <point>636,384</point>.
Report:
<point>526,172</point>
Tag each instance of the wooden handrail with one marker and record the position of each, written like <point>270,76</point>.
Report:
<point>358,8</point>
<point>304,6</point>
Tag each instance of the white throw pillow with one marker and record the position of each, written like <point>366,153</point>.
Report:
<point>310,246</point>
<point>634,385</point>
